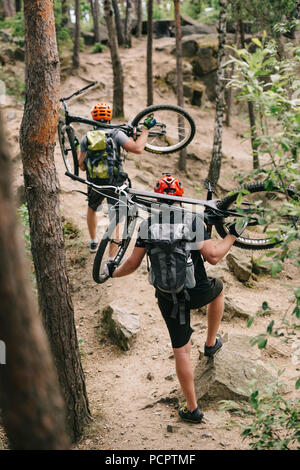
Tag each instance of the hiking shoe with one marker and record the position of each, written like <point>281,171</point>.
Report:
<point>93,246</point>
<point>210,351</point>
<point>190,416</point>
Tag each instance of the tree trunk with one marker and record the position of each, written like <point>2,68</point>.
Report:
<point>228,91</point>
<point>8,8</point>
<point>139,18</point>
<point>65,12</point>
<point>149,52</point>
<point>118,77</point>
<point>37,139</point>
<point>253,131</point>
<point>96,15</point>
<point>128,20</point>
<point>33,410</point>
<point>179,81</point>
<point>76,48</point>
<point>18,5</point>
<point>119,23</point>
<point>215,164</point>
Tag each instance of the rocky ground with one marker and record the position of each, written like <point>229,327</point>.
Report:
<point>133,394</point>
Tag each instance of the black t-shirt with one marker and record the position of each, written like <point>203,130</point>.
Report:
<point>196,232</point>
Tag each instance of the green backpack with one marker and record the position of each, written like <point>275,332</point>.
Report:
<point>103,160</point>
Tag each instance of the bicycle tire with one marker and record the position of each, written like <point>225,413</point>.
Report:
<point>99,276</point>
<point>65,137</point>
<point>250,240</point>
<point>156,140</point>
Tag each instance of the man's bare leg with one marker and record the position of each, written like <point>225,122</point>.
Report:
<point>92,223</point>
<point>214,315</point>
<point>185,374</point>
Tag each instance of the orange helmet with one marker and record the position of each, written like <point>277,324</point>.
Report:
<point>102,111</point>
<point>169,185</point>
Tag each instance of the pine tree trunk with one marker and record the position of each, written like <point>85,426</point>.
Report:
<point>215,164</point>
<point>119,23</point>
<point>179,81</point>
<point>37,139</point>
<point>8,8</point>
<point>32,407</point>
<point>18,6</point>
<point>65,12</point>
<point>149,52</point>
<point>252,120</point>
<point>128,20</point>
<point>118,77</point>
<point>139,18</point>
<point>76,48</point>
<point>96,15</point>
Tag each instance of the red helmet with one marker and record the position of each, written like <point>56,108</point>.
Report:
<point>169,185</point>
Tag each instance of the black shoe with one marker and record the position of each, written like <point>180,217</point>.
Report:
<point>93,247</point>
<point>190,416</point>
<point>210,351</point>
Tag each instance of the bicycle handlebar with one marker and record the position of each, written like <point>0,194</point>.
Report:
<point>78,92</point>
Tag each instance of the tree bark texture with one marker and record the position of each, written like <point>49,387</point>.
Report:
<point>128,21</point>
<point>215,164</point>
<point>179,81</point>
<point>37,139</point>
<point>76,47</point>
<point>33,410</point>
<point>119,23</point>
<point>118,76</point>
<point>96,16</point>
<point>65,12</point>
<point>149,52</point>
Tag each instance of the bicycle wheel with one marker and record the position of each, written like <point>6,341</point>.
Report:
<point>113,245</point>
<point>68,150</point>
<point>260,205</point>
<point>173,131</point>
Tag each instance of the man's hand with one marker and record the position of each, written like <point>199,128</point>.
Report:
<point>110,268</point>
<point>76,142</point>
<point>149,122</point>
<point>236,228</point>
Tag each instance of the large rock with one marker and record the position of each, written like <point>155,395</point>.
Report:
<point>240,263</point>
<point>227,375</point>
<point>122,325</point>
<point>194,92</point>
<point>232,309</point>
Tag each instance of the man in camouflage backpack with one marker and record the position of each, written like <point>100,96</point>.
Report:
<point>100,156</point>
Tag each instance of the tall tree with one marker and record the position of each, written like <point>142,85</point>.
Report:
<point>8,8</point>
<point>139,18</point>
<point>76,47</point>
<point>96,18</point>
<point>18,5</point>
<point>37,139</point>
<point>118,76</point>
<point>149,52</point>
<point>65,12</point>
<point>128,20</point>
<point>119,23</point>
<point>179,81</point>
<point>32,406</point>
<point>215,163</point>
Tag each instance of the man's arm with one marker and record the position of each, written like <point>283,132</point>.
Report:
<point>213,251</point>
<point>137,146</point>
<point>131,264</point>
<point>81,157</point>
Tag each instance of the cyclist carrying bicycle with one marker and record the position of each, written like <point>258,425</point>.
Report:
<point>99,154</point>
<point>206,291</point>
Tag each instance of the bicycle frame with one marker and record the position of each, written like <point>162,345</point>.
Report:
<point>211,211</point>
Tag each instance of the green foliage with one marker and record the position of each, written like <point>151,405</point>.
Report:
<point>70,230</point>
<point>14,85</point>
<point>98,47</point>
<point>24,219</point>
<point>273,423</point>
<point>163,10</point>
<point>15,24</point>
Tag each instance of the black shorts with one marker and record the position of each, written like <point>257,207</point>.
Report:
<point>180,334</point>
<point>95,200</point>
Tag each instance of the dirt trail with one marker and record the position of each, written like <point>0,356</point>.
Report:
<point>125,404</point>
